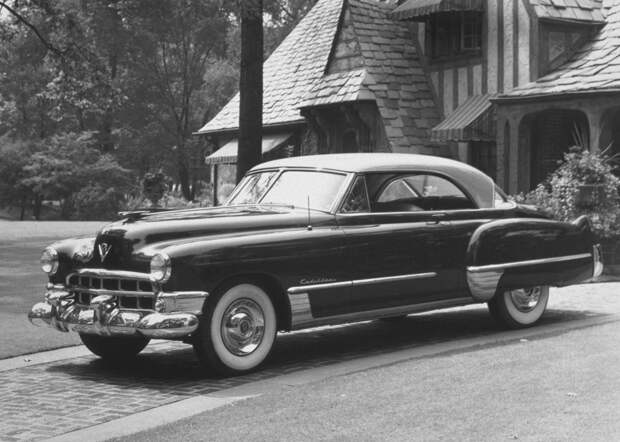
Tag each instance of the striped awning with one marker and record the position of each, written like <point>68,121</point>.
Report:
<point>227,154</point>
<point>474,120</point>
<point>412,9</point>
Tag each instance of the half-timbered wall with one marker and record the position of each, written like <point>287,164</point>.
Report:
<point>503,63</point>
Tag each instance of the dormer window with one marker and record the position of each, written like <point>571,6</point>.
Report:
<point>452,34</point>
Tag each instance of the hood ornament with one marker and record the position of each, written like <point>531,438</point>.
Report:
<point>104,249</point>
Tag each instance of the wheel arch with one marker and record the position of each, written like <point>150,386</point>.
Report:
<point>272,286</point>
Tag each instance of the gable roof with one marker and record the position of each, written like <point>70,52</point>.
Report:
<point>394,75</point>
<point>594,68</point>
<point>391,74</point>
<point>290,70</point>
<point>569,10</point>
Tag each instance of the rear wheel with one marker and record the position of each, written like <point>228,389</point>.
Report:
<point>237,330</point>
<point>114,348</point>
<point>519,308</point>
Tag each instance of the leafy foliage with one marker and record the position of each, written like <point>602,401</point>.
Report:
<point>559,194</point>
<point>138,76</point>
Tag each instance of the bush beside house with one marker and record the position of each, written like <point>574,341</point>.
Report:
<point>585,184</point>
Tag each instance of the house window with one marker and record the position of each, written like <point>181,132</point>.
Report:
<point>453,34</point>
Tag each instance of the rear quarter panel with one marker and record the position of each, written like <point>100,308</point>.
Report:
<point>518,253</point>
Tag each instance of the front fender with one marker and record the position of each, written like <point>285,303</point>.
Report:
<point>288,256</point>
<point>517,253</point>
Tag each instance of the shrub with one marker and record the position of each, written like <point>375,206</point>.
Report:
<point>154,186</point>
<point>96,202</point>
<point>559,194</point>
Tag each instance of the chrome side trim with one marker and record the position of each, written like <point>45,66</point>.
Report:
<point>394,278</point>
<point>105,273</point>
<point>483,285</point>
<point>301,314</point>
<point>311,287</point>
<point>304,319</point>
<point>531,262</point>
<point>190,302</point>
<point>358,282</point>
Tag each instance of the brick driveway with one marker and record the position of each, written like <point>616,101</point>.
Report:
<point>50,399</point>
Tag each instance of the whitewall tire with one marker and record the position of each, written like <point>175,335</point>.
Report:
<point>519,308</point>
<point>237,331</point>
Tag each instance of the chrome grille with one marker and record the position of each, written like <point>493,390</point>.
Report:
<point>130,293</point>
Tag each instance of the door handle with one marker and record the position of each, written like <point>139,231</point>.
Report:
<point>436,218</point>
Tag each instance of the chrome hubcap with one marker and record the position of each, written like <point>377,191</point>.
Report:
<point>243,327</point>
<point>525,300</point>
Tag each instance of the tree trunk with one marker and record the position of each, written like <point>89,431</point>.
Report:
<point>36,209</point>
<point>183,170</point>
<point>250,87</point>
<point>22,212</point>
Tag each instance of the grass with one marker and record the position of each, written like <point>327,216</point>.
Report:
<point>22,282</point>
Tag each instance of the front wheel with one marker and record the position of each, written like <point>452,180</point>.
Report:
<point>113,348</point>
<point>519,308</point>
<point>237,330</point>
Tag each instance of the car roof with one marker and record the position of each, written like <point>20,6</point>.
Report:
<point>478,185</point>
<point>363,162</point>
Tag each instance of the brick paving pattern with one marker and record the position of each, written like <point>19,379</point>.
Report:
<point>50,399</point>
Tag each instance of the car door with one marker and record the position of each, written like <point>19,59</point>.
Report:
<point>394,245</point>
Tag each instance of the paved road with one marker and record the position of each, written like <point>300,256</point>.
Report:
<point>49,399</point>
<point>22,282</point>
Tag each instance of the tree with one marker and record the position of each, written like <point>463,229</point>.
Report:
<point>250,87</point>
<point>172,44</point>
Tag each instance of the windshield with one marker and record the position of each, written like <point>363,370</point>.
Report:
<point>290,188</point>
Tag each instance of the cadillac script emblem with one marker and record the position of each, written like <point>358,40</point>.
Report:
<point>104,249</point>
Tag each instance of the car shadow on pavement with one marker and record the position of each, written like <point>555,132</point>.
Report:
<point>173,368</point>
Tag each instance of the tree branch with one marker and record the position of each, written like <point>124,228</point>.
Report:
<point>34,29</point>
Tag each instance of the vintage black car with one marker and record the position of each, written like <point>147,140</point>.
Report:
<point>309,241</point>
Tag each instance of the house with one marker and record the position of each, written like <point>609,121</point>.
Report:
<point>499,84</point>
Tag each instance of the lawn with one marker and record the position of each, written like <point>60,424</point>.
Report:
<point>22,282</point>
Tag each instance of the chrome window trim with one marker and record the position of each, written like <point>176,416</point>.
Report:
<point>440,174</point>
<point>447,212</point>
<point>350,187</point>
<point>530,262</point>
<point>280,170</point>
<point>359,282</point>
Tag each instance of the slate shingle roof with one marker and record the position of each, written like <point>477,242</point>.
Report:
<point>341,87</point>
<point>392,74</point>
<point>594,68</point>
<point>395,75</point>
<point>581,10</point>
<point>290,70</point>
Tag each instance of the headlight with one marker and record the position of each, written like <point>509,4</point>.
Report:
<point>161,268</point>
<point>49,261</point>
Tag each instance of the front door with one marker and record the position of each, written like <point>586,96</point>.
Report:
<point>402,246</point>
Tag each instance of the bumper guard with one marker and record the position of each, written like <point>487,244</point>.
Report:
<point>104,317</point>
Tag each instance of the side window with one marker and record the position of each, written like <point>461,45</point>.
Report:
<point>420,192</point>
<point>433,186</point>
<point>396,190</point>
<point>357,199</point>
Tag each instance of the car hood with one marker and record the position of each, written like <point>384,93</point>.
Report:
<point>128,237</point>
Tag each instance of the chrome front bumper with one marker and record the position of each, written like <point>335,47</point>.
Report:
<point>104,317</point>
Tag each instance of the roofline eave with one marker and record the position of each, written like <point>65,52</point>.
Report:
<point>230,130</point>
<point>552,96</point>
<point>572,21</point>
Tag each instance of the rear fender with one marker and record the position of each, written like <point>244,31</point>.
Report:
<point>525,252</point>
